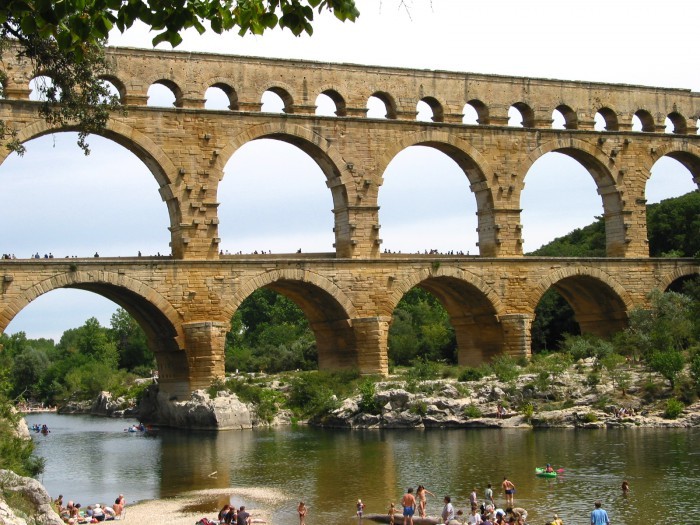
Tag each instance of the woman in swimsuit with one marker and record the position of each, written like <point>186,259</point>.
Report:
<point>421,492</point>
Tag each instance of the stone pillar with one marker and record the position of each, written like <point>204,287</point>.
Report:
<point>602,324</point>
<point>357,232</point>
<point>371,336</point>
<point>500,233</point>
<point>516,334</point>
<point>479,338</point>
<point>204,344</point>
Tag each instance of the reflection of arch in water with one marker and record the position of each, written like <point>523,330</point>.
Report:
<point>600,303</point>
<point>326,307</point>
<point>472,305</point>
<point>154,314</point>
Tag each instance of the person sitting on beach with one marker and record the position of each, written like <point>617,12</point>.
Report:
<point>98,513</point>
<point>474,518</point>
<point>110,513</point>
<point>243,517</point>
<point>517,513</point>
<point>448,511</point>
<point>118,506</point>
<point>223,513</point>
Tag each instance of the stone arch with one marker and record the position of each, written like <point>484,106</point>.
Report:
<point>389,103</point>
<point>680,124</point>
<point>610,117</point>
<point>328,310</point>
<point>686,153</point>
<point>482,111</point>
<point>472,163</point>
<point>599,302</point>
<point>473,306</point>
<point>338,99</point>
<point>527,114</point>
<point>647,120</point>
<point>118,84</point>
<point>155,159</point>
<point>595,161</point>
<point>666,281</point>
<point>156,316</point>
<point>228,90</point>
<point>436,108</point>
<point>172,86</point>
<point>570,116</point>
<point>284,92</point>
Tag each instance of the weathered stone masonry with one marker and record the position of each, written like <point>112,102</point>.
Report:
<point>185,303</point>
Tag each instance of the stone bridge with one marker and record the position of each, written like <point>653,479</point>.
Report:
<point>185,302</point>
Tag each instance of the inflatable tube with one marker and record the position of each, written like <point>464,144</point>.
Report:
<point>541,473</point>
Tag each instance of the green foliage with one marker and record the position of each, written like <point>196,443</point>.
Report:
<point>695,368</point>
<point>314,394</point>
<point>674,226</point>
<point>674,408</point>
<point>668,364</point>
<point>269,332</point>
<point>472,411</point>
<point>528,410</point>
<point>585,346</point>
<point>420,408</point>
<point>131,343</point>
<point>424,370</point>
<point>505,368</point>
<point>590,417</point>
<point>472,374</point>
<point>588,241</point>
<point>368,402</point>
<point>421,329</point>
<point>554,319</point>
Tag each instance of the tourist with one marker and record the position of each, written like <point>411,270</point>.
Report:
<point>98,513</point>
<point>223,513</point>
<point>549,468</point>
<point>232,516</point>
<point>243,517</point>
<point>599,516</point>
<point>473,499</point>
<point>392,512</point>
<point>474,517</point>
<point>301,510</point>
<point>509,489</point>
<point>488,495</point>
<point>557,520</point>
<point>421,492</point>
<point>360,509</point>
<point>448,511</point>
<point>119,505</point>
<point>408,502</point>
<point>59,503</point>
<point>625,487</point>
<point>517,513</point>
<point>110,513</point>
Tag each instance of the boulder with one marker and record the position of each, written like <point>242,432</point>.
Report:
<point>35,496</point>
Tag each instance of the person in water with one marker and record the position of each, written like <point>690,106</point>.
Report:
<point>360,509</point>
<point>421,492</point>
<point>301,509</point>
<point>509,490</point>
<point>548,468</point>
<point>408,502</point>
<point>625,486</point>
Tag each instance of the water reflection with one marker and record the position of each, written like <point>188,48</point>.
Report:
<point>330,470</point>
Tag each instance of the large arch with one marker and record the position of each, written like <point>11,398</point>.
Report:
<point>667,280</point>
<point>474,309</point>
<point>595,161</point>
<point>469,160</point>
<point>599,302</point>
<point>156,316</point>
<point>339,177</point>
<point>327,308</point>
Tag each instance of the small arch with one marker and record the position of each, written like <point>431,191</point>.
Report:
<point>606,120</point>
<point>521,115</point>
<point>475,112</point>
<point>674,280</point>
<point>379,102</point>
<point>168,97</point>
<point>276,100</point>
<point>42,89</point>
<point>221,96</point>
<point>115,87</point>
<point>428,108</point>
<point>331,103</point>
<point>563,117</point>
<point>644,122</point>
<point>676,123</point>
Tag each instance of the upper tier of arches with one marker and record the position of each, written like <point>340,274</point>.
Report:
<point>450,97</point>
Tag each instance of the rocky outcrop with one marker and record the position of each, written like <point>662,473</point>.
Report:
<point>35,501</point>
<point>105,405</point>
<point>201,412</point>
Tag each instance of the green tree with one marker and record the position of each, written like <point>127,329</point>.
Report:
<point>554,319</point>
<point>131,343</point>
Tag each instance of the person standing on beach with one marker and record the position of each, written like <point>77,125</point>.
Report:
<point>421,496</point>
<point>448,511</point>
<point>301,509</point>
<point>360,509</point>
<point>509,490</point>
<point>599,516</point>
<point>409,506</point>
<point>488,495</point>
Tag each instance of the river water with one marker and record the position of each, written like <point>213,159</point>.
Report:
<point>93,459</point>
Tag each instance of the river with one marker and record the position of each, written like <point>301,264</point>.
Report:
<point>92,460</point>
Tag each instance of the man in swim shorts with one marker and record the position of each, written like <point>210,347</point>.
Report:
<point>409,506</point>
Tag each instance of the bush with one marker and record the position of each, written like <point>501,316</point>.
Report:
<point>471,410</point>
<point>589,417</point>
<point>674,408</point>
<point>423,370</point>
<point>471,374</point>
<point>505,368</point>
<point>528,410</point>
<point>368,402</point>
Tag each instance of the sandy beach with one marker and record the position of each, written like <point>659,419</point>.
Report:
<point>192,506</point>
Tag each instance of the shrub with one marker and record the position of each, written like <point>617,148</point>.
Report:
<point>423,370</point>
<point>674,408</point>
<point>420,408</point>
<point>505,368</point>
<point>589,417</point>
<point>471,374</point>
<point>528,411</point>
<point>368,402</point>
<point>471,410</point>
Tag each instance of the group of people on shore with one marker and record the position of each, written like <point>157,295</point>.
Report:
<point>73,513</point>
<point>230,515</point>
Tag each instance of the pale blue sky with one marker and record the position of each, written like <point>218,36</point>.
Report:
<point>56,200</point>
